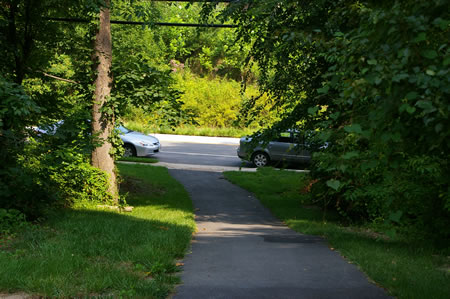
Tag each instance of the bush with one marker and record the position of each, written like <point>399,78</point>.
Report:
<point>387,117</point>
<point>375,75</point>
<point>213,103</point>
<point>18,187</point>
<point>11,220</point>
<point>77,181</point>
<point>47,171</point>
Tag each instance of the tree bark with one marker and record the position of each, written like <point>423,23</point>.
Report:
<point>102,125</point>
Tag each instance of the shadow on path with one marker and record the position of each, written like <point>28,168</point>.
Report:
<point>242,251</point>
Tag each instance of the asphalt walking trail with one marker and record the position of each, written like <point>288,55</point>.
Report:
<point>242,251</point>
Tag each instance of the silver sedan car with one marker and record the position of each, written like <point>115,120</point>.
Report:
<point>288,147</point>
<point>137,144</point>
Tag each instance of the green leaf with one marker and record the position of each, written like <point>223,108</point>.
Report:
<point>410,109</point>
<point>420,37</point>
<point>412,95</point>
<point>343,168</point>
<point>334,184</point>
<point>425,105</point>
<point>399,77</point>
<point>373,78</point>
<point>446,61</point>
<point>353,128</point>
<point>441,23</point>
<point>391,233</point>
<point>395,217</point>
<point>430,54</point>
<point>350,155</point>
<point>430,72</point>
<point>372,62</point>
<point>324,135</point>
<point>335,115</point>
<point>313,110</point>
<point>323,89</point>
<point>371,164</point>
<point>406,107</point>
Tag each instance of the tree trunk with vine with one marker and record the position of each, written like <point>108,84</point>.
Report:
<point>102,124</point>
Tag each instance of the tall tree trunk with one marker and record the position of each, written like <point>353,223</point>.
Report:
<point>102,126</point>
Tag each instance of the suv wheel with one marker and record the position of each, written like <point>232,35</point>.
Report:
<point>260,159</point>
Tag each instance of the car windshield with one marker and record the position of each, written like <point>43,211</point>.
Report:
<point>124,130</point>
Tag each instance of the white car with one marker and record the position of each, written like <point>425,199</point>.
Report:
<point>137,144</point>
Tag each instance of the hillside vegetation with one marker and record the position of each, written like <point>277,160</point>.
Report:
<point>207,106</point>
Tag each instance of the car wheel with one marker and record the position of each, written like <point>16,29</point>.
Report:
<point>130,151</point>
<point>260,159</point>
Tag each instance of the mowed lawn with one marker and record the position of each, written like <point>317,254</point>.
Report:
<point>86,252</point>
<point>405,269</point>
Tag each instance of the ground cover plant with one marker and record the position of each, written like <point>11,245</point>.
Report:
<point>406,269</point>
<point>87,251</point>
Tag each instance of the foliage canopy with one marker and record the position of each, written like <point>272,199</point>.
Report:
<point>376,79</point>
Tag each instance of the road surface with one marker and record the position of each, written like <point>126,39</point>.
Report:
<point>200,153</point>
<point>216,154</point>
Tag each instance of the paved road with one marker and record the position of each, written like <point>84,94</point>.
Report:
<point>203,153</point>
<point>241,250</point>
<point>195,154</point>
<point>200,153</point>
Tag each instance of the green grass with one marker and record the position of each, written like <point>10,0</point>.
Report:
<point>139,159</point>
<point>189,130</point>
<point>87,252</point>
<point>406,270</point>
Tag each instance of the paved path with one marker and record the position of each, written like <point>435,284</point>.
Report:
<point>242,251</point>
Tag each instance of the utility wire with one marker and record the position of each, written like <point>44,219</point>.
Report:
<point>71,20</point>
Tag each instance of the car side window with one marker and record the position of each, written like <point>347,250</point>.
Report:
<point>284,137</point>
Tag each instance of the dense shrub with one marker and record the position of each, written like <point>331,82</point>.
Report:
<point>68,176</point>
<point>16,182</point>
<point>387,117</point>
<point>43,171</point>
<point>11,220</point>
<point>210,102</point>
<point>375,78</point>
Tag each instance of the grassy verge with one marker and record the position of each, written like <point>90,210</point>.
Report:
<point>90,252</point>
<point>405,270</point>
<point>189,130</point>
<point>138,159</point>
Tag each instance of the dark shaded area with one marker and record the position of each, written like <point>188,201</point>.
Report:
<point>292,239</point>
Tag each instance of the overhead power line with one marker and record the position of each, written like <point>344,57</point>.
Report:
<point>225,1</point>
<point>72,20</point>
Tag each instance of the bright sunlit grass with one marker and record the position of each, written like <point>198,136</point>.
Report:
<point>189,130</point>
<point>88,252</point>
<point>139,159</point>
